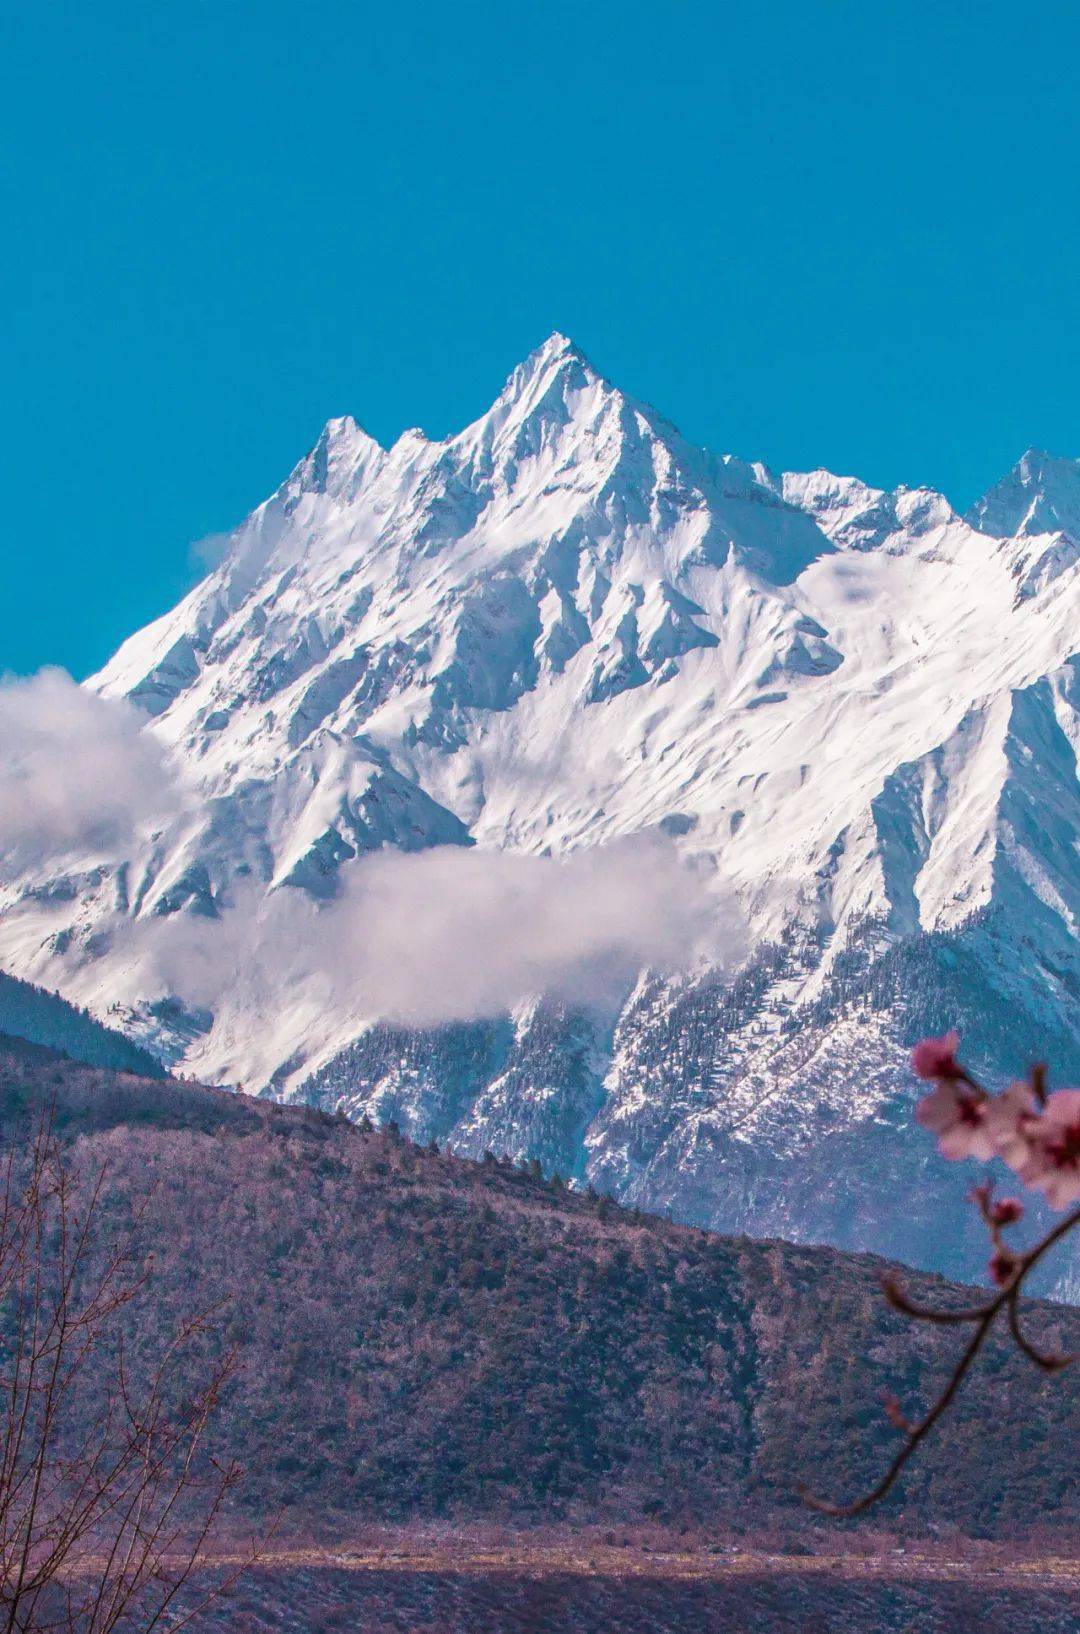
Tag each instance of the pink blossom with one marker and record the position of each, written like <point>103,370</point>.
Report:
<point>1009,1116</point>
<point>956,1114</point>
<point>936,1058</point>
<point>1051,1158</point>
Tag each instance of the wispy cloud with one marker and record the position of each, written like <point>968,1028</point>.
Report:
<point>209,552</point>
<point>454,934</point>
<point>77,772</point>
<point>451,933</point>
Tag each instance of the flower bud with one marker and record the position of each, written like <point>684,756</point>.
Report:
<point>1002,1266</point>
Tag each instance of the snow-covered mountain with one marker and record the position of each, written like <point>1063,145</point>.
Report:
<point>566,626</point>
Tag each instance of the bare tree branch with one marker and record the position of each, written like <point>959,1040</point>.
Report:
<point>107,1498</point>
<point>982,1317</point>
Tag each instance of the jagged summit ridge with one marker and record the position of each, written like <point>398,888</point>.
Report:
<point>1041,494</point>
<point>565,625</point>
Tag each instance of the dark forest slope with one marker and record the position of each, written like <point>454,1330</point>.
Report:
<point>426,1337</point>
<point>45,1018</point>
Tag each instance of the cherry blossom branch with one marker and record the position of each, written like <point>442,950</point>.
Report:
<point>900,1300</point>
<point>1038,1135</point>
<point>1049,1361</point>
<point>984,1317</point>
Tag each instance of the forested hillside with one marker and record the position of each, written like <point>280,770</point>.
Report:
<point>41,1017</point>
<point>425,1337</point>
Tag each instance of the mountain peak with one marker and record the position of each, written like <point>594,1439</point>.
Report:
<point>1041,494</point>
<point>342,430</point>
<point>549,633</point>
<point>556,347</point>
<point>546,389</point>
<point>558,359</point>
<point>343,452</point>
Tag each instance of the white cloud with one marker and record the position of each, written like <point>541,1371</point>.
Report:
<point>77,773</point>
<point>446,934</point>
<point>209,552</point>
<point>454,934</point>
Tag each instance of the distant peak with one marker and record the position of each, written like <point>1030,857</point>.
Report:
<point>341,448</point>
<point>340,425</point>
<point>342,429</point>
<point>1037,456</point>
<point>1041,494</point>
<point>542,386</point>
<point>1035,464</point>
<point>557,355</point>
<point>557,345</point>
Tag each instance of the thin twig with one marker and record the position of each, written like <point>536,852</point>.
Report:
<point>984,1317</point>
<point>1050,1361</point>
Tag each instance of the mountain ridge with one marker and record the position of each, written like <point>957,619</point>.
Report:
<point>561,629</point>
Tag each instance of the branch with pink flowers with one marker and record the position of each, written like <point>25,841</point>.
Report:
<point>1038,1136</point>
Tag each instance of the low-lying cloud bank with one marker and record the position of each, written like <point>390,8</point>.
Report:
<point>454,934</point>
<point>77,771</point>
<point>448,934</point>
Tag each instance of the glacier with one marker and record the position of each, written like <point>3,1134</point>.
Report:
<point>564,627</point>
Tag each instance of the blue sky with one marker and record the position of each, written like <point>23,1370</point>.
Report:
<point>818,234</point>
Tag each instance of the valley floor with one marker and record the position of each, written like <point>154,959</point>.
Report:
<point>523,1586</point>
